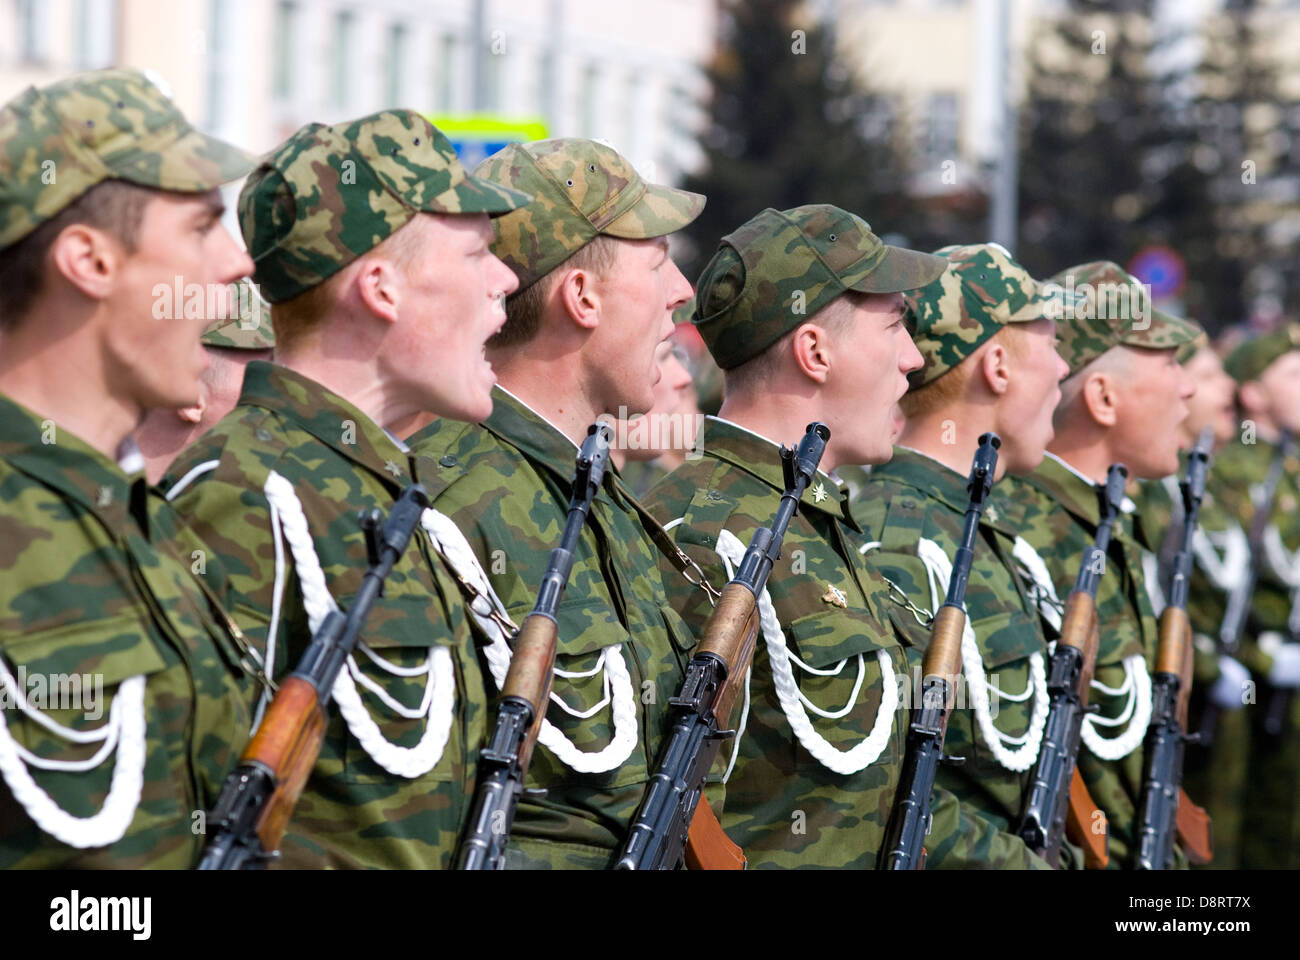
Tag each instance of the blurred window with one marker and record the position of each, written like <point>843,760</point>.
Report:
<point>33,31</point>
<point>96,41</point>
<point>395,65</point>
<point>442,91</point>
<point>341,58</point>
<point>286,30</point>
<point>941,123</point>
<point>589,98</point>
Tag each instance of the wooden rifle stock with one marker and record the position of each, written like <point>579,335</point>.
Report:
<point>531,675</point>
<point>1081,822</point>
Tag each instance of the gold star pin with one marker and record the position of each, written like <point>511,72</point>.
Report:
<point>819,492</point>
<point>835,597</point>
<point>393,468</point>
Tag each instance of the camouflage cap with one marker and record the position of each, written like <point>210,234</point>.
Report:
<point>781,267</point>
<point>1105,306</point>
<point>329,194</point>
<point>250,330</point>
<point>1252,357</point>
<point>58,141</point>
<point>1192,348</point>
<point>581,189</point>
<point>980,291</point>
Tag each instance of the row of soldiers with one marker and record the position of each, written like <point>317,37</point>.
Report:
<point>394,276</point>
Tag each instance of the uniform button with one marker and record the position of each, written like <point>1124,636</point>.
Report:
<point>447,461</point>
<point>713,495</point>
<point>909,504</point>
<point>264,434</point>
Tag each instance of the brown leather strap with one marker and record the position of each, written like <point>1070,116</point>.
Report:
<point>707,846</point>
<point>683,564</point>
<point>1195,831</point>
<point>1079,826</point>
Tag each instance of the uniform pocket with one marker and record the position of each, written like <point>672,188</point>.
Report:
<point>97,686</point>
<point>410,683</point>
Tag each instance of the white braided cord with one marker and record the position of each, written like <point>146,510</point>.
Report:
<point>448,540</point>
<point>843,762</point>
<point>124,729</point>
<point>939,569</point>
<point>1137,682</point>
<point>408,762</point>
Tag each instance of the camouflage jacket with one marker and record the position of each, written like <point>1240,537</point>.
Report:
<point>1033,504</point>
<point>851,640</point>
<point>506,484</point>
<point>912,497</point>
<point>103,625</point>
<point>1237,477</point>
<point>353,812</point>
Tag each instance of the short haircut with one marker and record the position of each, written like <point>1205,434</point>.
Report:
<point>948,387</point>
<point>114,206</point>
<point>757,373</point>
<point>294,319</point>
<point>524,308</point>
<point>1114,361</point>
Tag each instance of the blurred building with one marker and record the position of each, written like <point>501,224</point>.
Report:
<point>253,71</point>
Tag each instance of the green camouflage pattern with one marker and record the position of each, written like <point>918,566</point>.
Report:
<point>1105,306</point>
<point>57,142</point>
<point>250,330</point>
<point>1215,777</point>
<point>779,268</point>
<point>980,291</point>
<point>782,806</point>
<point>913,496</point>
<point>352,812</point>
<point>329,194</point>
<point>506,484</point>
<point>1192,348</point>
<point>1057,512</point>
<point>1270,811</point>
<point>581,189</point>
<point>1253,356</point>
<point>94,581</point>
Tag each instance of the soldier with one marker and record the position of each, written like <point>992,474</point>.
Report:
<point>231,345</point>
<point>597,290</point>
<point>1123,401</point>
<point>1214,776</point>
<point>125,689</point>
<point>986,334</point>
<point>802,311</point>
<point>371,244</point>
<point>1267,372</point>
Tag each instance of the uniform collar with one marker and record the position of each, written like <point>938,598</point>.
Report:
<point>758,456</point>
<point>1078,494</point>
<point>38,447</point>
<point>935,480</point>
<point>326,416</point>
<point>532,434</point>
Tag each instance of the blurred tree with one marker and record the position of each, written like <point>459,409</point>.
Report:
<point>788,126</point>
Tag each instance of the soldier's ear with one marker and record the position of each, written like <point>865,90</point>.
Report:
<point>87,258</point>
<point>811,349</point>
<point>576,292</point>
<point>995,367</point>
<point>379,287</point>
<point>1099,398</point>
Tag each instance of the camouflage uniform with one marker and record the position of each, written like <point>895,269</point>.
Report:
<point>1057,511</point>
<point>366,804</point>
<point>790,801</point>
<point>95,583</point>
<point>914,497</point>
<point>506,484</point>
<point>1270,808</point>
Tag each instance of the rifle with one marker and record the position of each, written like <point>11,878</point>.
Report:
<point>663,825</point>
<point>1159,810</point>
<point>259,795</point>
<point>503,763</point>
<point>1237,612</point>
<point>910,820</point>
<point>1058,793</point>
